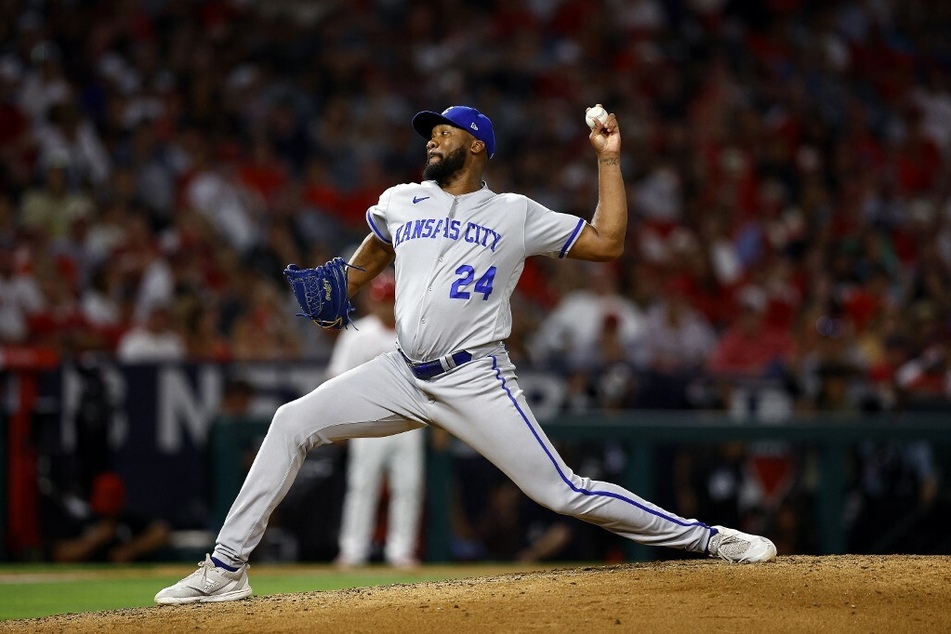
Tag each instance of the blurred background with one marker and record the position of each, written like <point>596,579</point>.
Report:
<point>771,352</point>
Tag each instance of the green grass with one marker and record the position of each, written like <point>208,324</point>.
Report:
<point>46,598</point>
<point>42,590</point>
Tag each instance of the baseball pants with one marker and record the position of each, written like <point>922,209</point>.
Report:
<point>480,403</point>
<point>401,459</point>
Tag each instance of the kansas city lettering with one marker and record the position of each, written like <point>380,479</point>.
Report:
<point>448,229</point>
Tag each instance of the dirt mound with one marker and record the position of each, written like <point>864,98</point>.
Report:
<point>794,594</point>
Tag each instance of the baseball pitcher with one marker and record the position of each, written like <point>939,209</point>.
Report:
<point>458,249</point>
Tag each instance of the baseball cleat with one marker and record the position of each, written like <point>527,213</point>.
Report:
<point>208,584</point>
<point>739,547</point>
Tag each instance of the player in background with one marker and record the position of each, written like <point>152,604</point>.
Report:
<point>400,457</point>
<point>459,249</point>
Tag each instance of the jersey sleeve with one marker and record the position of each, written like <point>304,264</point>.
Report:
<point>549,232</point>
<point>376,218</point>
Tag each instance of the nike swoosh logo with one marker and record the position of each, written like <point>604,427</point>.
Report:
<point>419,199</point>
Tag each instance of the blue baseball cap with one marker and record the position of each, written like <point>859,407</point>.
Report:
<point>464,117</point>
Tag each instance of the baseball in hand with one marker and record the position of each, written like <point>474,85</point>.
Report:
<point>595,113</point>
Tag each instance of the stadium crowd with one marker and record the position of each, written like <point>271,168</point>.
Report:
<point>787,164</point>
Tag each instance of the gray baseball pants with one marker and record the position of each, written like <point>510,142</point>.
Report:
<point>480,403</point>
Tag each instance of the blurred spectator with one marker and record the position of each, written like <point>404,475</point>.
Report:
<point>69,134</point>
<point>204,340</point>
<point>313,219</point>
<point>713,482</point>
<point>835,393</point>
<point>827,348</point>
<point>157,166</point>
<point>751,348</point>
<point>590,336</point>
<point>20,300</point>
<point>10,230</point>
<point>107,233</point>
<point>263,330</point>
<point>17,145</point>
<point>659,197</point>
<point>153,339</point>
<point>61,324</point>
<point>924,382</point>
<point>725,260</point>
<point>215,191</point>
<point>156,280</point>
<point>45,83</point>
<point>104,303</point>
<point>51,208</point>
<point>263,173</point>
<point>105,530</point>
<point>515,528</point>
<point>932,97</point>
<point>570,336</point>
<point>895,352</point>
<point>236,401</point>
<point>678,338</point>
<point>277,248</point>
<point>895,494</point>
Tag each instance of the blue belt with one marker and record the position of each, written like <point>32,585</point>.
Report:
<point>432,369</point>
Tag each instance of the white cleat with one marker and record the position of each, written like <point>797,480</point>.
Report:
<point>208,584</point>
<point>739,547</point>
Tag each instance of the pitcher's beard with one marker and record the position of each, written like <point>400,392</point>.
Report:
<point>444,171</point>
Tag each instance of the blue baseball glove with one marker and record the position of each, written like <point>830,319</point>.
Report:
<point>322,293</point>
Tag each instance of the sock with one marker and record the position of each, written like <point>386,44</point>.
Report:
<point>713,532</point>
<point>220,564</point>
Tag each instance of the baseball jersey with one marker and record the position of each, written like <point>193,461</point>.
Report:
<point>369,337</point>
<point>458,259</point>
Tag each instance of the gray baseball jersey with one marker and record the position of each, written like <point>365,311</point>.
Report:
<point>458,259</point>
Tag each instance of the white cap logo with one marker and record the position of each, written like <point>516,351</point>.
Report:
<point>473,126</point>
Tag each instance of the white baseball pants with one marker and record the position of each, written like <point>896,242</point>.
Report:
<point>401,459</point>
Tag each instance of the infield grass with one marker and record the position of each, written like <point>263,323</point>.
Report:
<point>30,591</point>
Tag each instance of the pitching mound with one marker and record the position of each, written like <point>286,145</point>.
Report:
<point>794,594</point>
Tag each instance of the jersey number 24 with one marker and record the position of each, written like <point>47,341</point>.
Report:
<point>482,285</point>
